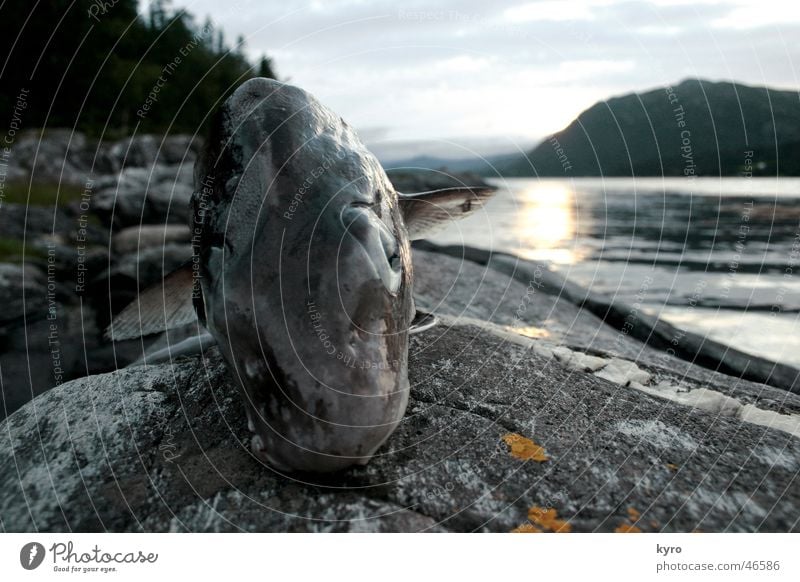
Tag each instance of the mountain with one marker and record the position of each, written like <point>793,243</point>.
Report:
<point>697,127</point>
<point>484,166</point>
<point>454,154</point>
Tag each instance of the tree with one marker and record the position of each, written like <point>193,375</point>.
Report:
<point>265,68</point>
<point>98,73</point>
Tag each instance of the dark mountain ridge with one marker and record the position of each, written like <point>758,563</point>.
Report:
<point>695,128</point>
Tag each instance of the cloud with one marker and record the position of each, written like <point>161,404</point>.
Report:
<point>467,68</point>
<point>547,10</point>
<point>749,16</point>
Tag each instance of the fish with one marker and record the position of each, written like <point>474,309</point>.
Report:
<point>301,274</point>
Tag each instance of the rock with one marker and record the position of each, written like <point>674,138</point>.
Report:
<point>144,151</point>
<point>16,174</point>
<point>46,336</point>
<point>23,293</point>
<point>137,238</point>
<point>54,345</point>
<point>659,335</point>
<point>156,195</point>
<point>526,298</point>
<point>18,221</point>
<point>128,274</point>
<point>500,428</point>
<point>64,156</point>
<point>457,287</point>
<point>51,326</point>
<point>57,156</point>
<point>140,269</point>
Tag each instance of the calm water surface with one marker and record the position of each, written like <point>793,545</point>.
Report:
<point>717,256</point>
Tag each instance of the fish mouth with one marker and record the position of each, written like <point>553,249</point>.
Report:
<point>306,461</point>
<point>318,412</point>
<point>290,444</point>
<point>377,242</point>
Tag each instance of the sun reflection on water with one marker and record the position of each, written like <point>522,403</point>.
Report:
<point>546,223</point>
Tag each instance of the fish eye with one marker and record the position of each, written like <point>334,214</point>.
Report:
<point>380,243</point>
<point>394,262</point>
<point>391,249</point>
<point>369,204</point>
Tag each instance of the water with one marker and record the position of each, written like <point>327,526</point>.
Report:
<point>719,256</point>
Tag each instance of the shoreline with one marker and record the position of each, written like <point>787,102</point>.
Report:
<point>631,320</point>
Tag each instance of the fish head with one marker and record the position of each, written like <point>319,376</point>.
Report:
<point>305,271</point>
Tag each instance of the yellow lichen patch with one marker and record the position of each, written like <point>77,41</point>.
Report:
<point>548,519</point>
<point>633,514</point>
<point>526,528</point>
<point>531,331</point>
<point>626,527</point>
<point>525,449</point>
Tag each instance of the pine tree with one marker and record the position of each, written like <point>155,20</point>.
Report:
<point>100,83</point>
<point>265,68</point>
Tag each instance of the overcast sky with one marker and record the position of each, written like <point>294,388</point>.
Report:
<point>482,69</point>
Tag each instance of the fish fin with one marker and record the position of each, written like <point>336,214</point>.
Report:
<point>426,212</point>
<point>165,305</point>
<point>422,322</point>
<point>190,346</point>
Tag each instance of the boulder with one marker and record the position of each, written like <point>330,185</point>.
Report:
<point>144,151</point>
<point>18,221</point>
<point>508,429</point>
<point>155,195</point>
<point>132,272</point>
<point>23,293</point>
<point>66,156</point>
<point>147,236</point>
<point>56,156</point>
<point>59,277</point>
<point>52,345</point>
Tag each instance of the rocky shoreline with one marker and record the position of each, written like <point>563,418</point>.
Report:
<point>71,213</point>
<point>515,423</point>
<point>84,226</point>
<point>534,407</point>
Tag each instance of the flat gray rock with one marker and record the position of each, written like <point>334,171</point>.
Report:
<point>533,301</point>
<point>459,287</point>
<point>165,448</point>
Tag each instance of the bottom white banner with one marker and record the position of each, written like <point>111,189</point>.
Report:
<point>353,557</point>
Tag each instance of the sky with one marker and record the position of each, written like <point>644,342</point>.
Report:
<point>488,74</point>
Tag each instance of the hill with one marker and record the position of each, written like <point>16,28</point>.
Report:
<point>697,127</point>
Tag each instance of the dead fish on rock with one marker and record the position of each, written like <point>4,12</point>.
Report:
<point>302,274</point>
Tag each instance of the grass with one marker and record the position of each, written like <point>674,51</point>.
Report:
<point>40,193</point>
<point>11,251</point>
